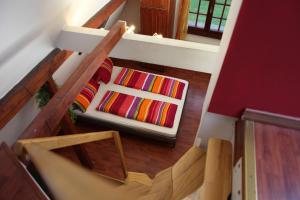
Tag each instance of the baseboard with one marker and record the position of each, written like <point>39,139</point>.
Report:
<point>271,118</point>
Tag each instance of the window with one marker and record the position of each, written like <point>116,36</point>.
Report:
<point>208,17</point>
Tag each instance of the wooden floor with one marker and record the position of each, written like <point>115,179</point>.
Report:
<point>147,155</point>
<point>277,162</point>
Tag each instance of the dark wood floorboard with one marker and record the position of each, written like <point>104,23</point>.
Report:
<point>147,155</point>
<point>278,162</point>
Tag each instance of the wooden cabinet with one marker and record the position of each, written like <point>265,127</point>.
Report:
<point>157,16</point>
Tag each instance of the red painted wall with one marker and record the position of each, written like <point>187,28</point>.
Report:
<point>261,69</point>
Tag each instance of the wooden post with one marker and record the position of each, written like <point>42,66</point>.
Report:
<point>69,128</point>
<point>119,146</point>
<point>182,24</point>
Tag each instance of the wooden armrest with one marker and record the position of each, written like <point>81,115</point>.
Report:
<point>56,142</point>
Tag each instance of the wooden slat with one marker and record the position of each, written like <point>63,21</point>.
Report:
<point>188,173</point>
<point>13,102</point>
<point>218,171</point>
<point>50,116</point>
<point>182,25</point>
<point>57,142</point>
<point>119,146</point>
<point>249,163</point>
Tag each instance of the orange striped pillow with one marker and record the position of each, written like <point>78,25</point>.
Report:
<point>87,94</point>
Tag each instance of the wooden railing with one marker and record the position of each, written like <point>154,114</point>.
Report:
<point>57,142</point>
<point>211,171</point>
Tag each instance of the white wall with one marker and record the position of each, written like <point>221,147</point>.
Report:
<point>209,122</point>
<point>28,32</point>
<point>11,132</point>
<point>162,51</point>
<point>29,29</point>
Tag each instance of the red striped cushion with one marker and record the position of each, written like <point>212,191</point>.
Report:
<point>104,71</point>
<point>86,96</point>
<point>150,82</point>
<point>137,108</point>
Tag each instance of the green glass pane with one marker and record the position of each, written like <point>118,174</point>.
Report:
<point>214,26</point>
<point>221,1</point>
<point>192,19</point>
<point>226,11</point>
<point>204,7</point>
<point>222,25</point>
<point>228,2</point>
<point>194,6</point>
<point>201,21</point>
<point>218,9</point>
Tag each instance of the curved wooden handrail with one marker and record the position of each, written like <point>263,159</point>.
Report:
<point>50,143</point>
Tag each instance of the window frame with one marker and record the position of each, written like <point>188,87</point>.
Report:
<point>206,31</point>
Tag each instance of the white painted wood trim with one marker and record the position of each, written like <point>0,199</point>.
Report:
<point>230,24</point>
<point>161,51</point>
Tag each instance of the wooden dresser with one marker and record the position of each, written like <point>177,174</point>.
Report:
<point>157,16</point>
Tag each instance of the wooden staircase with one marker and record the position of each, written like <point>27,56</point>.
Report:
<point>210,171</point>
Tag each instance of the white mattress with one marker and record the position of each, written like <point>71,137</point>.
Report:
<point>147,128</point>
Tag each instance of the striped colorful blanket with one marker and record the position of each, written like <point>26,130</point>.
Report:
<point>145,110</point>
<point>150,82</point>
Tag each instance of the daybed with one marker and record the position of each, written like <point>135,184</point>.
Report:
<point>143,128</point>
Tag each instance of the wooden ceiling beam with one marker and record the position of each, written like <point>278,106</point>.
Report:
<point>102,15</point>
<point>15,100</point>
<point>50,116</point>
